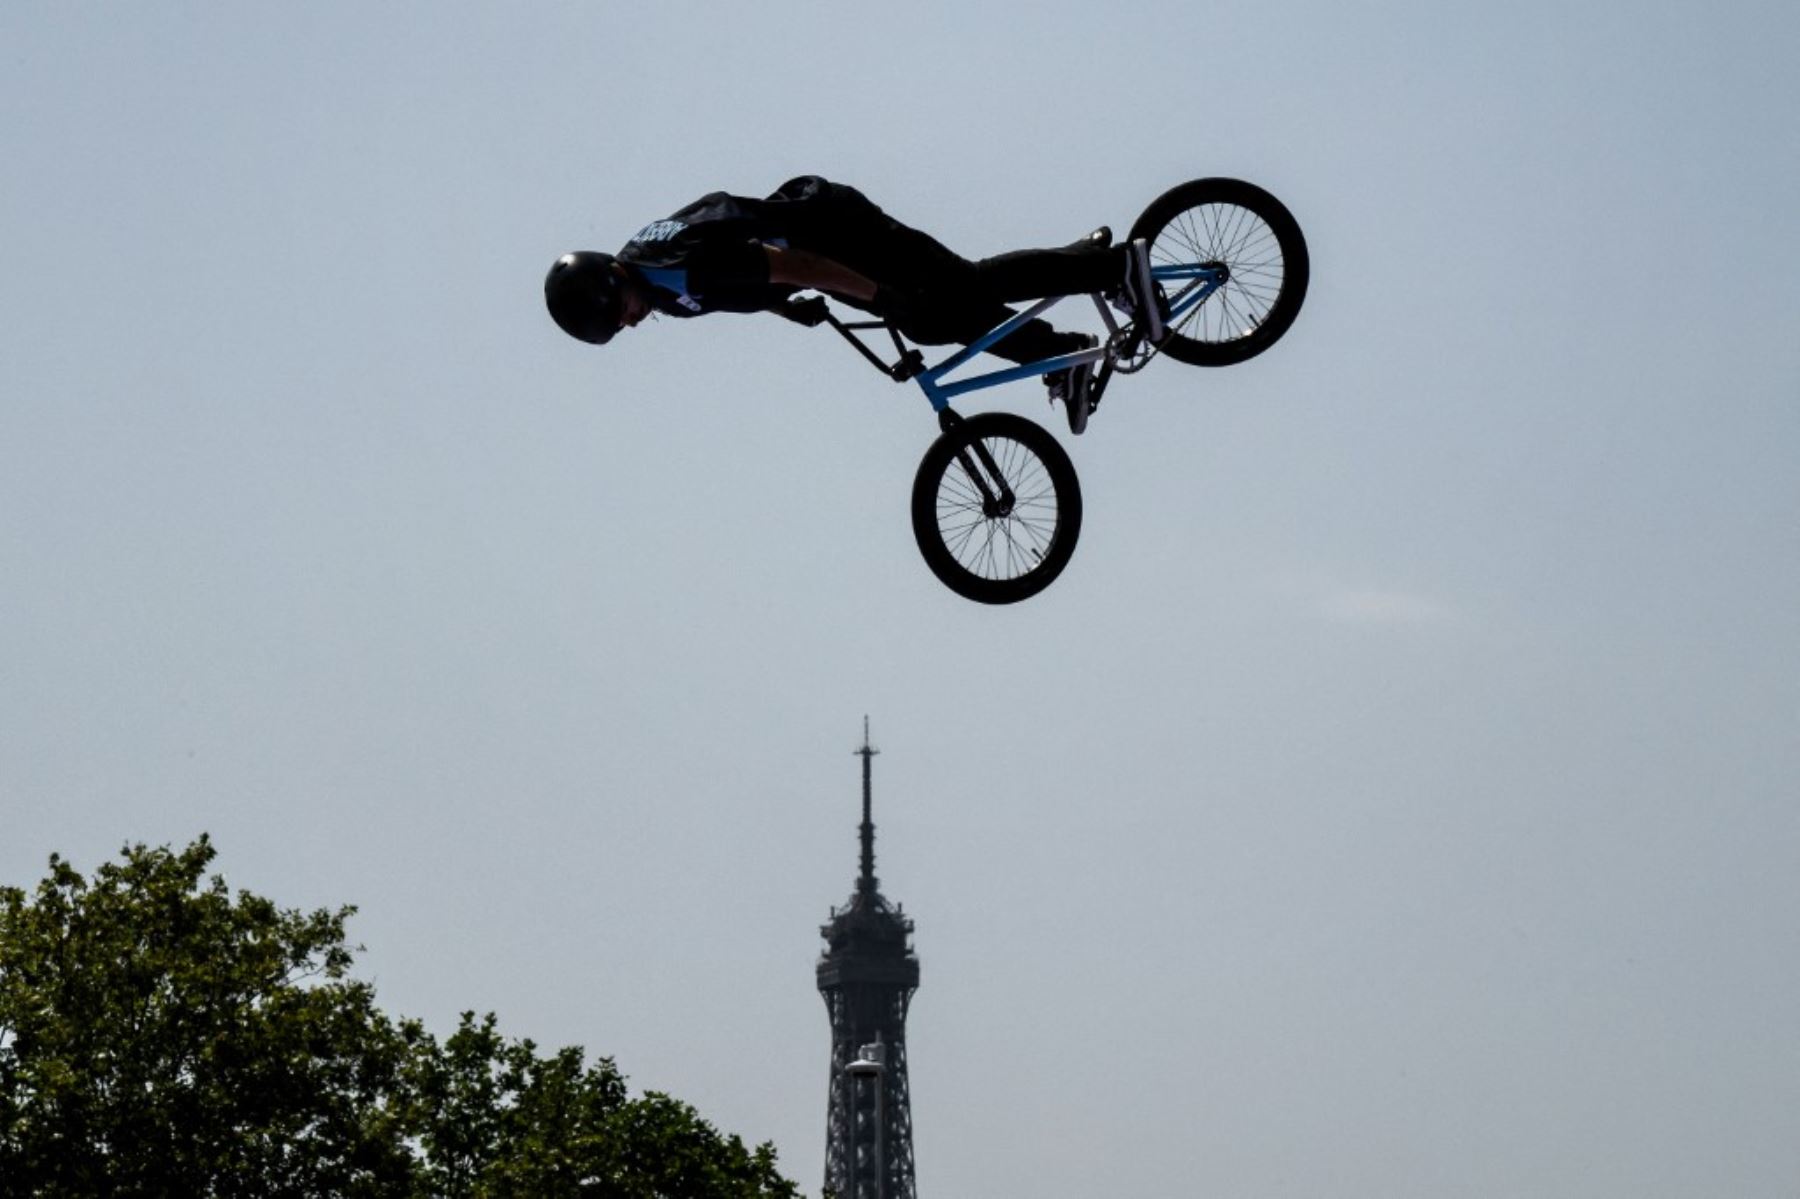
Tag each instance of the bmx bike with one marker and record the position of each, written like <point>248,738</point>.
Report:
<point>996,504</point>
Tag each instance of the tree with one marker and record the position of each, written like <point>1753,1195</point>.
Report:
<point>495,1118</point>
<point>159,1035</point>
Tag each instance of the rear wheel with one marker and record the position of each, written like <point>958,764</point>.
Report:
<point>996,508</point>
<point>1249,233</point>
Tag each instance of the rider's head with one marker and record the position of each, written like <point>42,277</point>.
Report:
<point>591,297</point>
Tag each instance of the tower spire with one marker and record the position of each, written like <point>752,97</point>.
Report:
<point>866,883</point>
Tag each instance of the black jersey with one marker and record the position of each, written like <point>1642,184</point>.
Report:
<point>709,256</point>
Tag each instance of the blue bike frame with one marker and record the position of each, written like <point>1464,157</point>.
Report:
<point>1200,280</point>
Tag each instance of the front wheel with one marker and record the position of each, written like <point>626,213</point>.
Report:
<point>1210,230</point>
<point>996,508</point>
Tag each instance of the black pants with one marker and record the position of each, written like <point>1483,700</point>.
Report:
<point>961,299</point>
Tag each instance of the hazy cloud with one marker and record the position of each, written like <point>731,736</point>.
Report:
<point>1369,605</point>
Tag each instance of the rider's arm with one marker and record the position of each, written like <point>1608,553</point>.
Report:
<point>798,268</point>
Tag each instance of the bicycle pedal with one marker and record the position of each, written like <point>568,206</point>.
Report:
<point>911,364</point>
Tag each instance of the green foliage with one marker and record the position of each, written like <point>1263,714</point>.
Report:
<point>160,1036</point>
<point>496,1119</point>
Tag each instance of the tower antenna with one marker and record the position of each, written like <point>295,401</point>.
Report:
<point>866,883</point>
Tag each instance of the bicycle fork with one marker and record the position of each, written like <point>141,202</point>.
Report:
<point>984,474</point>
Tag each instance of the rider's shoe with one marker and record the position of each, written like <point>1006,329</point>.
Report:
<point>1139,296</point>
<point>1099,239</point>
<point>1072,389</point>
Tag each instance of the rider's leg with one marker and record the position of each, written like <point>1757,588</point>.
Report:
<point>1072,270</point>
<point>840,223</point>
<point>960,319</point>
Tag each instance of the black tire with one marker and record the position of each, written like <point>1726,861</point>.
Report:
<point>1254,235</point>
<point>979,551</point>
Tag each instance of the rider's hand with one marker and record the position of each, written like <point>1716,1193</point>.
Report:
<point>810,311</point>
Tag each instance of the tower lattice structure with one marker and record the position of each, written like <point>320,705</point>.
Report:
<point>867,976</point>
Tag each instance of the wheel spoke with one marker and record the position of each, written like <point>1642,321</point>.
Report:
<point>999,547</point>
<point>1244,242</point>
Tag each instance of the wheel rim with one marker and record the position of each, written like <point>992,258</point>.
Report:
<point>1246,245</point>
<point>998,546</point>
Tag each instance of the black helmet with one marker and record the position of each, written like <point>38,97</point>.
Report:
<point>585,295</point>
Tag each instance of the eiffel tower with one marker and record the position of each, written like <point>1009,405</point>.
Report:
<point>867,975</point>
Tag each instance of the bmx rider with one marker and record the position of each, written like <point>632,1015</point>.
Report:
<point>727,253</point>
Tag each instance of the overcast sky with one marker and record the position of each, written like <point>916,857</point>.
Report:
<point>1394,799</point>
